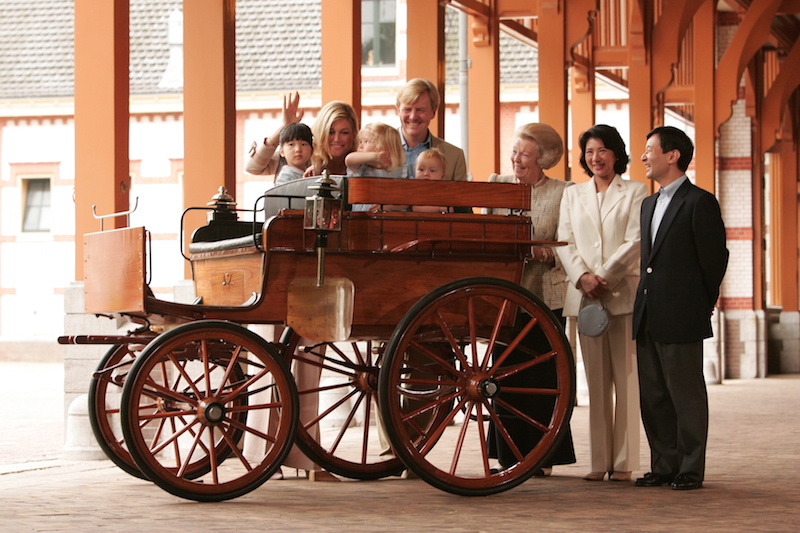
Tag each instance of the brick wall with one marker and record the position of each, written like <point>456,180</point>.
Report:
<point>734,190</point>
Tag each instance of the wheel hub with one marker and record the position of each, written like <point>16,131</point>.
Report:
<point>211,412</point>
<point>366,381</point>
<point>481,386</point>
<point>489,388</point>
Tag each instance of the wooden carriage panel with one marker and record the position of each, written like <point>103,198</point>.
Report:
<point>386,285</point>
<point>393,259</point>
<point>114,271</point>
<point>227,277</point>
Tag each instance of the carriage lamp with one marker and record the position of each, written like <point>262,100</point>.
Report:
<point>224,206</point>
<point>323,215</point>
<point>323,211</point>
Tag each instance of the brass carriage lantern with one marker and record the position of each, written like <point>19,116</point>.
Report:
<point>323,211</point>
<point>323,215</point>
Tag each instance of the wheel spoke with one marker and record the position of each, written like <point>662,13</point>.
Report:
<point>516,369</point>
<point>515,343</point>
<point>347,422</point>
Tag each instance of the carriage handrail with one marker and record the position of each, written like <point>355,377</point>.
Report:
<point>416,243</point>
<point>114,215</point>
<point>206,208</point>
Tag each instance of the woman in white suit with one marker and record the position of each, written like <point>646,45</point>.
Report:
<point>599,220</point>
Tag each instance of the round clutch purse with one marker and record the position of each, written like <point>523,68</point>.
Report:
<point>593,319</point>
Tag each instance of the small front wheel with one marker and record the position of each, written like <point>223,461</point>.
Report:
<point>209,411</point>
<point>105,391</point>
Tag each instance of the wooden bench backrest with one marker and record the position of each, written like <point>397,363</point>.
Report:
<point>435,192</point>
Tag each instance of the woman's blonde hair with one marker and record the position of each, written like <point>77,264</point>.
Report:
<point>387,139</point>
<point>330,113</point>
<point>551,147</point>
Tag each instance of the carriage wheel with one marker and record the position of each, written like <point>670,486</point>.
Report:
<point>104,399</point>
<point>209,393</point>
<point>462,349</point>
<point>105,393</point>
<point>339,425</point>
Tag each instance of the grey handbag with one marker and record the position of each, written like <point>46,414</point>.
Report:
<point>593,318</point>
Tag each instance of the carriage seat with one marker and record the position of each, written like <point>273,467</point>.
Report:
<point>227,244</point>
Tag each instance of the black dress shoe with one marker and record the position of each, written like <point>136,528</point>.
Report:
<point>686,482</point>
<point>651,479</point>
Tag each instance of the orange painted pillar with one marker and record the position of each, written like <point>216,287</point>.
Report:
<point>785,206</point>
<point>209,116</point>
<point>582,82</point>
<point>425,50</point>
<point>553,96</point>
<point>705,124</point>
<point>341,52</point>
<point>484,98</point>
<point>640,87</point>
<point>101,116</point>
<point>640,119</point>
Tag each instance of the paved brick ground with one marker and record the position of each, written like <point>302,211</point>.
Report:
<point>751,481</point>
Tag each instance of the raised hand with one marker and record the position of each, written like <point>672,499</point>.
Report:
<point>292,113</point>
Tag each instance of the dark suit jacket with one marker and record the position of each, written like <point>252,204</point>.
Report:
<point>682,271</point>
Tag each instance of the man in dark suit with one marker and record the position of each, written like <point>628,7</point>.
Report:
<point>683,262</point>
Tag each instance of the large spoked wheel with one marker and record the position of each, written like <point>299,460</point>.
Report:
<point>340,427</point>
<point>105,391</point>
<point>209,411</point>
<point>481,350</point>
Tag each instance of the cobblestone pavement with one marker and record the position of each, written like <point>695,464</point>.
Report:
<point>751,481</point>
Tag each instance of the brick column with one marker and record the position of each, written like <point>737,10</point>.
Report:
<point>743,328</point>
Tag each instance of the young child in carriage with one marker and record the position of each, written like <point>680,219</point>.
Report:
<point>296,146</point>
<point>430,166</point>
<point>380,155</point>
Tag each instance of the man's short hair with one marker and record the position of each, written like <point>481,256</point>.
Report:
<point>415,88</point>
<point>674,139</point>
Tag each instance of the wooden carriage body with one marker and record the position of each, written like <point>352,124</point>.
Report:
<point>393,258</point>
<point>438,336</point>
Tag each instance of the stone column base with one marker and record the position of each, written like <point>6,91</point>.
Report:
<point>784,341</point>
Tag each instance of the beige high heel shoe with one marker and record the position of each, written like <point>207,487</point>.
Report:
<point>620,476</point>
<point>321,475</point>
<point>594,476</point>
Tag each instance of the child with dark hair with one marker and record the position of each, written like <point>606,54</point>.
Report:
<point>296,146</point>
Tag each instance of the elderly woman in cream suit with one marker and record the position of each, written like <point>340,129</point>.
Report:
<point>599,220</point>
<point>538,147</point>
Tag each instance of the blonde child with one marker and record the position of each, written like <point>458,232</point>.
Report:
<point>431,165</point>
<point>380,155</point>
<point>296,146</point>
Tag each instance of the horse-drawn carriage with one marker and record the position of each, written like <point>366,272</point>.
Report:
<point>396,350</point>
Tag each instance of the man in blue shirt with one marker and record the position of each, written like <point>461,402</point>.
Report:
<point>417,103</point>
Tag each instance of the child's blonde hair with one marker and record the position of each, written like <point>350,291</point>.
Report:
<point>433,153</point>
<point>386,139</point>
